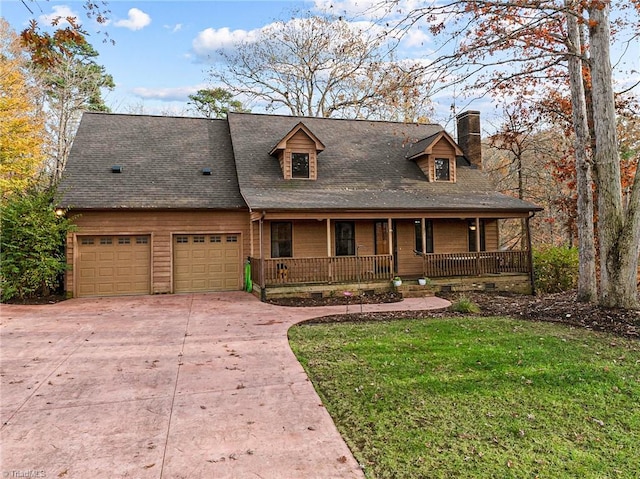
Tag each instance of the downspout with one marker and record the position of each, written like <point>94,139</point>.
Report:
<point>423,226</point>
<point>531,272</point>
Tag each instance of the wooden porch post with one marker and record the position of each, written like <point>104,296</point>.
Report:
<point>251,250</point>
<point>423,224</point>
<point>478,272</point>
<point>263,292</point>
<point>330,266</point>
<point>530,253</point>
<point>389,226</point>
<point>328,237</point>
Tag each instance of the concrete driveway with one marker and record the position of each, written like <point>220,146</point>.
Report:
<point>176,386</point>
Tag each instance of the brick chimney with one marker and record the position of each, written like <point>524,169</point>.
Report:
<point>469,136</point>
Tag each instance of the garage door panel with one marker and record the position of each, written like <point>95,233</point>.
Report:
<point>88,256</point>
<point>141,270</point>
<point>113,265</point>
<point>87,290</point>
<point>216,268</point>
<point>212,265</point>
<point>185,255</point>
<point>105,272</point>
<point>87,273</point>
<point>106,288</point>
<point>198,268</point>
<point>231,268</point>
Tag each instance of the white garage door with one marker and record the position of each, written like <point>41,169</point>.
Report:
<point>113,265</point>
<point>206,262</point>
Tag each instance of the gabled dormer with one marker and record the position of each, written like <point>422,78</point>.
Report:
<point>436,157</point>
<point>298,153</point>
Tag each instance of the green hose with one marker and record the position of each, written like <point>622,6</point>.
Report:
<point>248,285</point>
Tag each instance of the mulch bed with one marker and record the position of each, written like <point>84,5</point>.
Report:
<point>556,308</point>
<point>339,300</point>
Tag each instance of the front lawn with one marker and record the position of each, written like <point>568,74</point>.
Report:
<point>478,397</point>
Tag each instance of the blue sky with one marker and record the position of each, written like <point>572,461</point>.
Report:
<point>154,62</point>
<point>163,48</point>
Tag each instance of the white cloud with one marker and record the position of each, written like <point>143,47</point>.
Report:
<point>174,28</point>
<point>416,38</point>
<point>350,8</point>
<point>167,94</point>
<point>137,20</point>
<point>59,12</point>
<point>211,40</point>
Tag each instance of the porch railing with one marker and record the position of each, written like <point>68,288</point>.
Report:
<point>341,269</point>
<point>475,264</point>
<point>337,269</point>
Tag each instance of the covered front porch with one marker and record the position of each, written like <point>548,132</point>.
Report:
<point>361,251</point>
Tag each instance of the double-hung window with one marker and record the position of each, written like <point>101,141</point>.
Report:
<point>300,165</point>
<point>281,240</point>
<point>442,169</point>
<point>345,238</point>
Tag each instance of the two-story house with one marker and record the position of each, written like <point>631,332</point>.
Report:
<point>314,205</point>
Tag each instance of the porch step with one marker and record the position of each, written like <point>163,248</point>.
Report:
<point>414,290</point>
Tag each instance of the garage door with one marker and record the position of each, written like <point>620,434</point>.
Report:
<point>206,262</point>
<point>113,265</point>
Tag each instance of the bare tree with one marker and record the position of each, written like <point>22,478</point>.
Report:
<point>587,287</point>
<point>619,226</point>
<point>320,66</point>
<point>523,46</point>
<point>517,158</point>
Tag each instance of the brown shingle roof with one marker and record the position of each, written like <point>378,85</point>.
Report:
<point>363,166</point>
<point>162,160</point>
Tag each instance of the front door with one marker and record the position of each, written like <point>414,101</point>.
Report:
<point>381,237</point>
<point>381,240</point>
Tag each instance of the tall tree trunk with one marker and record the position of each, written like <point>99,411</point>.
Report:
<point>587,284</point>
<point>619,230</point>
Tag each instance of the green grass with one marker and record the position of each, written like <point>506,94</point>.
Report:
<point>478,397</point>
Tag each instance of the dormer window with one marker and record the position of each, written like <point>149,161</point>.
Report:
<point>298,154</point>
<point>442,171</point>
<point>436,157</point>
<point>299,165</point>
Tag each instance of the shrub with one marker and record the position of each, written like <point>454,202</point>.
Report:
<point>465,305</point>
<point>32,245</point>
<point>556,269</point>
